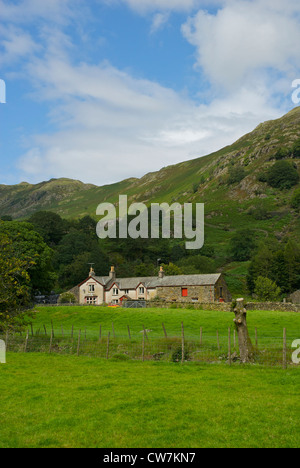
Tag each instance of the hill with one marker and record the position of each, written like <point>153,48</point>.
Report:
<point>199,180</point>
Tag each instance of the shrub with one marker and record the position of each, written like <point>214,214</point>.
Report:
<point>282,153</point>
<point>295,202</point>
<point>177,355</point>
<point>236,175</point>
<point>266,289</point>
<point>296,149</point>
<point>282,175</point>
<point>67,298</point>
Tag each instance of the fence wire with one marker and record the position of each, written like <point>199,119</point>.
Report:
<point>268,351</point>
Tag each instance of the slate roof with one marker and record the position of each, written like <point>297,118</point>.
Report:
<point>152,282</point>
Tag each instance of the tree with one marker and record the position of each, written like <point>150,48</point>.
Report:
<point>49,225</point>
<point>28,244</point>
<point>171,269</point>
<point>242,245</point>
<point>236,175</point>
<point>15,287</point>
<point>266,289</point>
<point>282,175</point>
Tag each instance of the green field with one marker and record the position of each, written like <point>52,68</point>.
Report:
<point>62,401</point>
<point>269,324</point>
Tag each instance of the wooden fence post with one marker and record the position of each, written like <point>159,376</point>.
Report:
<point>256,337</point>
<point>6,340</point>
<point>165,331</point>
<point>229,346</point>
<point>145,332</point>
<point>143,347</point>
<point>52,328</point>
<point>72,332</point>
<point>50,346</point>
<point>78,343</point>
<point>234,338</point>
<point>100,333</point>
<point>107,348</point>
<point>45,330</point>
<point>26,341</point>
<point>129,332</point>
<point>31,329</point>
<point>62,331</point>
<point>284,349</point>
<point>182,343</point>
<point>113,329</point>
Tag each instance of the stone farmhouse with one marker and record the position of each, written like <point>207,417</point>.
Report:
<point>97,290</point>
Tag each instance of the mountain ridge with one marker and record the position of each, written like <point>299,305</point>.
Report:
<point>196,180</point>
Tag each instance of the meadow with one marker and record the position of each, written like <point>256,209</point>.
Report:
<point>62,400</point>
<point>69,401</point>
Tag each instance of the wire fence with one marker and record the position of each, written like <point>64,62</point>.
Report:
<point>269,351</point>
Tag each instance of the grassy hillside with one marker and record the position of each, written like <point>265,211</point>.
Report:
<point>198,180</point>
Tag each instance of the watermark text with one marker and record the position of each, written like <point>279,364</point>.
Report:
<point>296,93</point>
<point>162,220</point>
<point>295,355</point>
<point>2,352</point>
<point>2,92</point>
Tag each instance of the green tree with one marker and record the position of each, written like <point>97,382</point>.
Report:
<point>236,175</point>
<point>15,287</point>
<point>266,289</point>
<point>242,245</point>
<point>29,244</point>
<point>296,149</point>
<point>282,175</point>
<point>49,225</point>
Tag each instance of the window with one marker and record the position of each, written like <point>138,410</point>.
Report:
<point>115,291</point>
<point>91,300</point>
<point>91,288</point>
<point>184,292</point>
<point>126,291</point>
<point>141,290</point>
<point>195,299</point>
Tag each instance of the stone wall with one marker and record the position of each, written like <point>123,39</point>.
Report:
<point>280,306</point>
<point>198,293</point>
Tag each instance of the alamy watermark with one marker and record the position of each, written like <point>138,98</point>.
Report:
<point>296,93</point>
<point>2,352</point>
<point>2,92</point>
<point>295,355</point>
<point>188,221</point>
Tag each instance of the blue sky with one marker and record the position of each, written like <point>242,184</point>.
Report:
<point>108,89</point>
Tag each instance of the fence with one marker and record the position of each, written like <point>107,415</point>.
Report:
<point>216,348</point>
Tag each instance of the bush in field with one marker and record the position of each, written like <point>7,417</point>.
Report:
<point>266,289</point>
<point>177,355</point>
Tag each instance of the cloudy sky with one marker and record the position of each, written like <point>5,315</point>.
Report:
<point>103,90</point>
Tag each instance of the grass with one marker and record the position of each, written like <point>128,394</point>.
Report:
<point>269,324</point>
<point>63,401</point>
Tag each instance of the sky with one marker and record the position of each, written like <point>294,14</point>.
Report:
<point>104,90</point>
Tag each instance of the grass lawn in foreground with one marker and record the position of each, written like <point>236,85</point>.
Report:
<point>69,401</point>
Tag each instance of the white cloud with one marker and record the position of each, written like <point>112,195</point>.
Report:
<point>112,126</point>
<point>146,6</point>
<point>246,37</point>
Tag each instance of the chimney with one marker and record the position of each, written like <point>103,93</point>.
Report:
<point>161,273</point>
<point>92,272</point>
<point>112,273</point>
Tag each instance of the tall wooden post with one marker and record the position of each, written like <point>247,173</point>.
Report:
<point>78,343</point>
<point>229,346</point>
<point>245,344</point>
<point>107,348</point>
